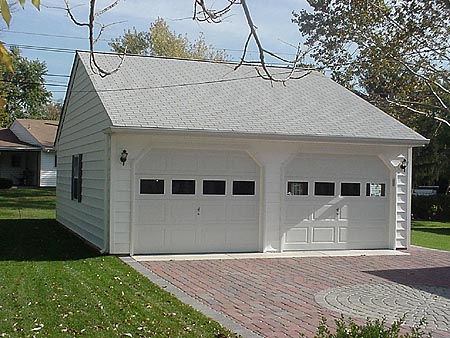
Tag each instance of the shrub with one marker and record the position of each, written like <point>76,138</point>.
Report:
<point>432,208</point>
<point>5,183</point>
<point>371,329</point>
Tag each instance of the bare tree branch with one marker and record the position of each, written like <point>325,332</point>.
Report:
<point>95,67</point>
<point>409,108</point>
<point>211,15</point>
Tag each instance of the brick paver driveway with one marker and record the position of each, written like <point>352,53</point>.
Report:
<point>282,297</point>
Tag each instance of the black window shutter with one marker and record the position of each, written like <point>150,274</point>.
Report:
<point>80,171</point>
<point>72,190</point>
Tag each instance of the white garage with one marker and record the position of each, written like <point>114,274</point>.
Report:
<point>335,202</point>
<point>196,201</point>
<point>187,156</point>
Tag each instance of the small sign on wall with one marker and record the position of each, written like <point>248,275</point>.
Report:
<point>375,189</point>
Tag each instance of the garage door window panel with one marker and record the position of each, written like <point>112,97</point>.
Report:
<point>151,187</point>
<point>243,188</point>
<point>297,188</point>
<point>183,187</point>
<point>350,189</point>
<point>214,187</point>
<point>376,189</point>
<point>324,188</point>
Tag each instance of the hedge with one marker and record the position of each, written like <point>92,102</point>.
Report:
<point>431,208</point>
<point>5,183</point>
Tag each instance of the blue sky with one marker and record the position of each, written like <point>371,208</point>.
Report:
<point>50,36</point>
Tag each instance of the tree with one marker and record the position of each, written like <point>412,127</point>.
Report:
<point>395,54</point>
<point>53,110</point>
<point>160,41</point>
<point>23,91</point>
<point>376,46</point>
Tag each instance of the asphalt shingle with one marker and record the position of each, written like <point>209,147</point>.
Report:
<point>165,93</point>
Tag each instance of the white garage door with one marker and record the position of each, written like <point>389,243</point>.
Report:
<point>335,202</point>
<point>190,201</point>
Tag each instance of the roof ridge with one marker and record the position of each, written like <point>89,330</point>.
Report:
<point>227,62</point>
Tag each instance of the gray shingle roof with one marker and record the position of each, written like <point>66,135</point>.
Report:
<point>150,92</point>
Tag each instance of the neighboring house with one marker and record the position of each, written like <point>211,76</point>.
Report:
<point>27,154</point>
<point>183,156</point>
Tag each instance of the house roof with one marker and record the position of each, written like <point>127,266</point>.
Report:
<point>191,95</point>
<point>8,141</point>
<point>43,131</point>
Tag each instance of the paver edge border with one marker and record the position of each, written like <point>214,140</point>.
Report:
<point>189,300</point>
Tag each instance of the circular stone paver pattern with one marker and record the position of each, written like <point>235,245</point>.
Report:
<point>391,301</point>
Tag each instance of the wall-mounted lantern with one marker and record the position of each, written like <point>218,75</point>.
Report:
<point>123,157</point>
<point>403,165</point>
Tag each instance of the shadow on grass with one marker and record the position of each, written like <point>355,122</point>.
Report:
<point>40,240</point>
<point>438,231</point>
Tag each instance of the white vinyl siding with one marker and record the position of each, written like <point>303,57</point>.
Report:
<point>48,169</point>
<point>82,133</point>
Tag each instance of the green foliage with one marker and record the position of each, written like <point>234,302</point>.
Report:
<point>371,329</point>
<point>5,183</point>
<point>433,208</point>
<point>390,53</point>
<point>160,41</point>
<point>23,90</point>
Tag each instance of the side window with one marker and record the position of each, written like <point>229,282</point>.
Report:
<point>350,189</point>
<point>324,189</point>
<point>376,189</point>
<point>77,169</point>
<point>151,186</point>
<point>183,187</point>
<point>56,161</point>
<point>214,187</point>
<point>243,188</point>
<point>297,188</point>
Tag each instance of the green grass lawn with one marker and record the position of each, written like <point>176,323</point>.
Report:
<point>54,285</point>
<point>429,234</point>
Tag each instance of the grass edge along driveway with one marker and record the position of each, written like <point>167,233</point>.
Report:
<point>53,285</point>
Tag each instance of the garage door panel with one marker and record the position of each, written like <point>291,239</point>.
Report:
<point>376,212</point>
<point>323,235</point>
<point>242,211</point>
<point>297,212</point>
<point>351,211</point>
<point>182,163</point>
<point>244,240</point>
<point>151,212</point>
<point>150,236</point>
<point>181,239</point>
<point>297,235</point>
<point>242,164</point>
<point>213,212</point>
<point>182,212</point>
<point>324,213</point>
<point>157,163</point>
<point>214,165</point>
<point>375,233</point>
<point>342,234</point>
<point>213,238</point>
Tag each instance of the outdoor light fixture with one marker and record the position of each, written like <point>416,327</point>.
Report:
<point>403,164</point>
<point>123,157</point>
